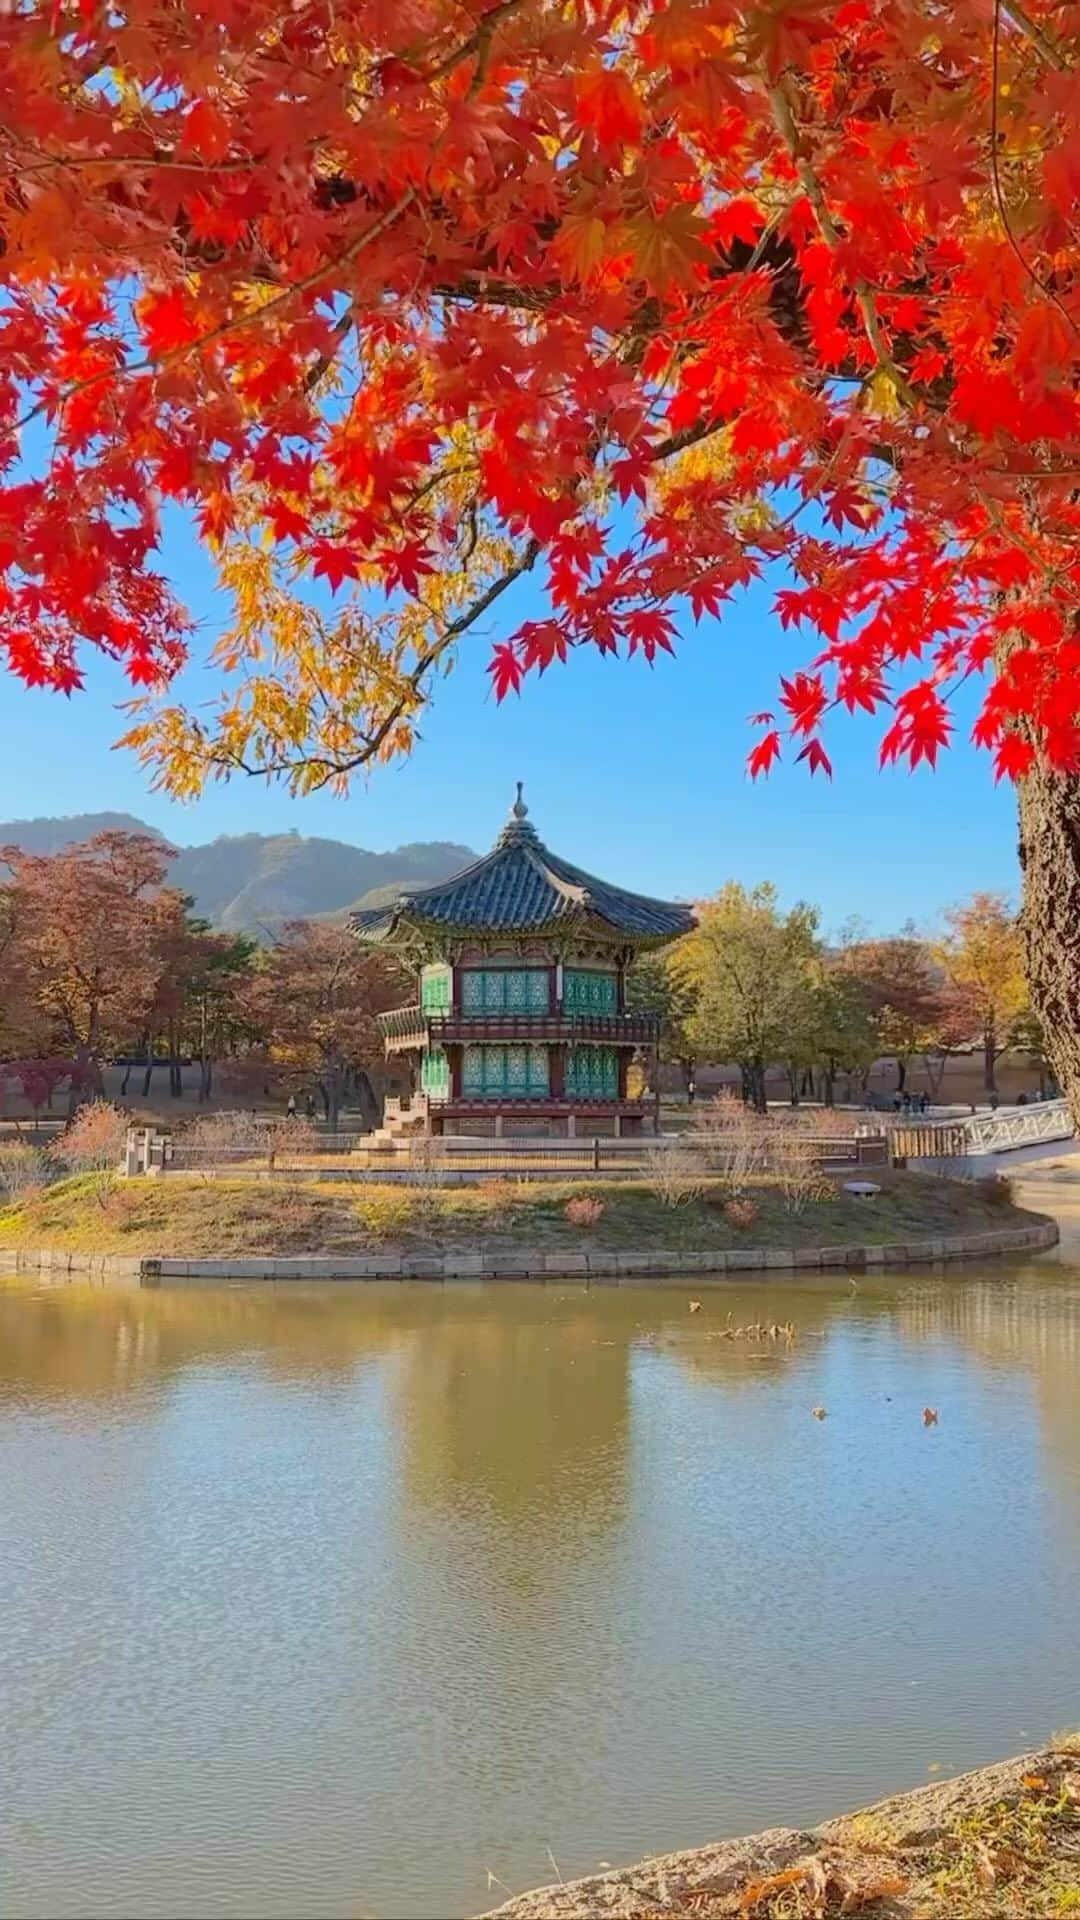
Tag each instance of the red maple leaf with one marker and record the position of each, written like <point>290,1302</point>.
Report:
<point>505,669</point>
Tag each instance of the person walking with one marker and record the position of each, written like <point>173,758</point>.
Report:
<point>290,1107</point>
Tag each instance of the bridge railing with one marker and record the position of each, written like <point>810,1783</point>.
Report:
<point>1008,1127</point>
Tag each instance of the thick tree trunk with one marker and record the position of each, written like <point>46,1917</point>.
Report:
<point>990,1054</point>
<point>901,1073</point>
<point>1050,917</point>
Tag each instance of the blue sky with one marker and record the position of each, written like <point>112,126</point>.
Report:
<point>635,773</point>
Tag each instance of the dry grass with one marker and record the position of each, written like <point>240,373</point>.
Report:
<point>187,1215</point>
<point>1003,1844</point>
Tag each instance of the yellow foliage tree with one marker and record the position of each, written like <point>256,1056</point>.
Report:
<point>982,954</point>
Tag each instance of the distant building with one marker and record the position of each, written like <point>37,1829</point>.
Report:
<point>521,1024</point>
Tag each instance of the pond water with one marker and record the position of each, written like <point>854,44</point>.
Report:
<point>334,1601</point>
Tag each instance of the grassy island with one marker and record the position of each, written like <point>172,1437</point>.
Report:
<point>188,1215</point>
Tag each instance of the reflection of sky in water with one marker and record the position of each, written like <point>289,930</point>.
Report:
<point>326,1601</point>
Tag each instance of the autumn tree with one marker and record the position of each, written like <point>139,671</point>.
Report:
<point>648,303</point>
<point>898,980</point>
<point>982,955</point>
<point>84,936</point>
<point>655,987</point>
<point>314,1000</point>
<point>748,967</point>
<point>842,1036</point>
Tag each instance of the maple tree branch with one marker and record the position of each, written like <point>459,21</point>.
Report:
<point>334,768</point>
<point>478,42</point>
<point>1031,29</point>
<point>830,233</point>
<point>995,180</point>
<point>255,316</point>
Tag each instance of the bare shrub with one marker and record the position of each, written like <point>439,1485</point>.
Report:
<point>676,1173</point>
<point>230,1137</point>
<point>793,1160</point>
<point>23,1172</point>
<point>93,1143</point>
<point>584,1210</point>
<point>225,1136</point>
<point>497,1201</point>
<point>734,1139</point>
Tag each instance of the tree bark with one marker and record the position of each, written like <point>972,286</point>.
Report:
<point>901,1073</point>
<point>990,1054</point>
<point>1050,917</point>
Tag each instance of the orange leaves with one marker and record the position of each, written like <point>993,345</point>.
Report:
<point>742,269</point>
<point>583,243</point>
<point>820,1884</point>
<point>1046,343</point>
<point>206,132</point>
<point>167,321</point>
<point>669,248</point>
<point>608,104</point>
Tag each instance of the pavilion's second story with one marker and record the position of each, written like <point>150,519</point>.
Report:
<point>531,996</point>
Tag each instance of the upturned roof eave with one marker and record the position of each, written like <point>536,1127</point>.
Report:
<point>403,923</point>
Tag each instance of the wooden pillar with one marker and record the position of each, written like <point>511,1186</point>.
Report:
<point>454,1055</point>
<point>557,1072</point>
<point>623,1065</point>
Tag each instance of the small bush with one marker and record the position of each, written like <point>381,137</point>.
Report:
<point>734,1140</point>
<point>996,1189</point>
<point>584,1210</point>
<point>794,1161</point>
<point>740,1213</point>
<point>123,1209</point>
<point>93,1143</point>
<point>496,1199</point>
<point>676,1173</point>
<point>389,1213</point>
<point>23,1172</point>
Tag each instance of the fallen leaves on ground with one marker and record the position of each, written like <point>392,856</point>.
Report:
<point>818,1887</point>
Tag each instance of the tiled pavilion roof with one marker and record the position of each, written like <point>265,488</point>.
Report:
<point>520,887</point>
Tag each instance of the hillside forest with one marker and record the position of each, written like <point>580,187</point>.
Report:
<point>106,964</point>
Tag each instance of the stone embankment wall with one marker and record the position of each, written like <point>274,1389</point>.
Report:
<point>535,1264</point>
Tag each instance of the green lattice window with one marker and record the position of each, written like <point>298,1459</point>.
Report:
<point>435,1074</point>
<point>504,990</point>
<point>503,1073</point>
<point>592,1073</point>
<point>436,989</point>
<point>586,992</point>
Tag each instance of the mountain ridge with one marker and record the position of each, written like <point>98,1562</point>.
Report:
<point>253,882</point>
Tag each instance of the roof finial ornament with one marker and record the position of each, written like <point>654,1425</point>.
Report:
<point>519,809</point>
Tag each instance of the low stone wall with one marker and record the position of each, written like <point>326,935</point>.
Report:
<point>608,1269</point>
